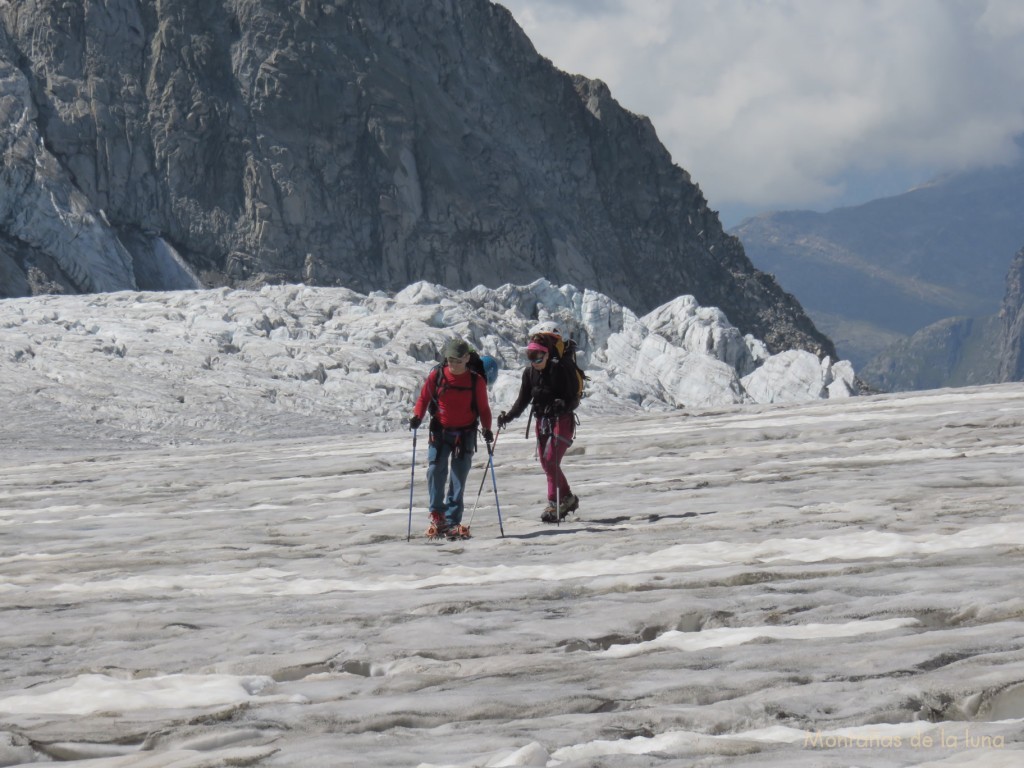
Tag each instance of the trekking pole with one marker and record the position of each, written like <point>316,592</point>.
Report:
<point>412,481</point>
<point>558,502</point>
<point>494,482</point>
<point>490,454</point>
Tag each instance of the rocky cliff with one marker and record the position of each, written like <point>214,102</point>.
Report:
<point>1011,316</point>
<point>163,144</point>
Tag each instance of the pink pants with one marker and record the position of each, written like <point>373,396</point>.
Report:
<point>554,436</point>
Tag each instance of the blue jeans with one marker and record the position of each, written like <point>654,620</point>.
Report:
<point>442,449</point>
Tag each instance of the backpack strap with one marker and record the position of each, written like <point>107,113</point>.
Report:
<point>438,372</point>
<point>473,377</point>
<point>441,384</point>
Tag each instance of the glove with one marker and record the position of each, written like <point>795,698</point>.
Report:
<point>558,405</point>
<point>488,436</point>
<point>503,420</point>
<point>415,421</point>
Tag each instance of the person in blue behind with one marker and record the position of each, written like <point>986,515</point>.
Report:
<point>552,394</point>
<point>456,399</point>
<point>490,368</point>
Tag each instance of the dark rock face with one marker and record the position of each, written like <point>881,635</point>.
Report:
<point>364,143</point>
<point>1011,316</point>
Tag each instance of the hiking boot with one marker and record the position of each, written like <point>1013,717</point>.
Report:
<point>437,527</point>
<point>550,513</point>
<point>569,504</point>
<point>458,531</point>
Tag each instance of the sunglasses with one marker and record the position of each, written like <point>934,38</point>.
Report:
<point>537,358</point>
<point>457,360</point>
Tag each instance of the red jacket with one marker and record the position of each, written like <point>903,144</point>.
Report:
<point>455,404</point>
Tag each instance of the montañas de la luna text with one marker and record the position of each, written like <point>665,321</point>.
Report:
<point>942,739</point>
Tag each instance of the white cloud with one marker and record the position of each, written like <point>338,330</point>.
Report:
<point>781,104</point>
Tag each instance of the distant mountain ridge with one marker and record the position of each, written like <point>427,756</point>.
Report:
<point>954,352</point>
<point>872,273</point>
<point>367,144</point>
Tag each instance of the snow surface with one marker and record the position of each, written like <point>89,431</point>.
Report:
<point>227,580</point>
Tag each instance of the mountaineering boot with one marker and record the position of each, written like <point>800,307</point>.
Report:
<point>458,531</point>
<point>437,527</point>
<point>569,504</point>
<point>550,513</point>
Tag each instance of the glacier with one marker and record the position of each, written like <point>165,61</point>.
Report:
<point>190,365</point>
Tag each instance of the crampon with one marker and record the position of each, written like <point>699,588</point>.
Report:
<point>457,532</point>
<point>437,528</point>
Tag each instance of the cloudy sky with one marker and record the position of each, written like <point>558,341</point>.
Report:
<point>779,104</point>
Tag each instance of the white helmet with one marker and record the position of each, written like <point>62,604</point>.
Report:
<point>546,327</point>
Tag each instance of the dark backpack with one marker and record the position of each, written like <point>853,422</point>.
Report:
<point>563,355</point>
<point>476,365</point>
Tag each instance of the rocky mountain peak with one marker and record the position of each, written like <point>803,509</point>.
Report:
<point>366,144</point>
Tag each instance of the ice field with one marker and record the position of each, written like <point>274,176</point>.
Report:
<point>836,583</point>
